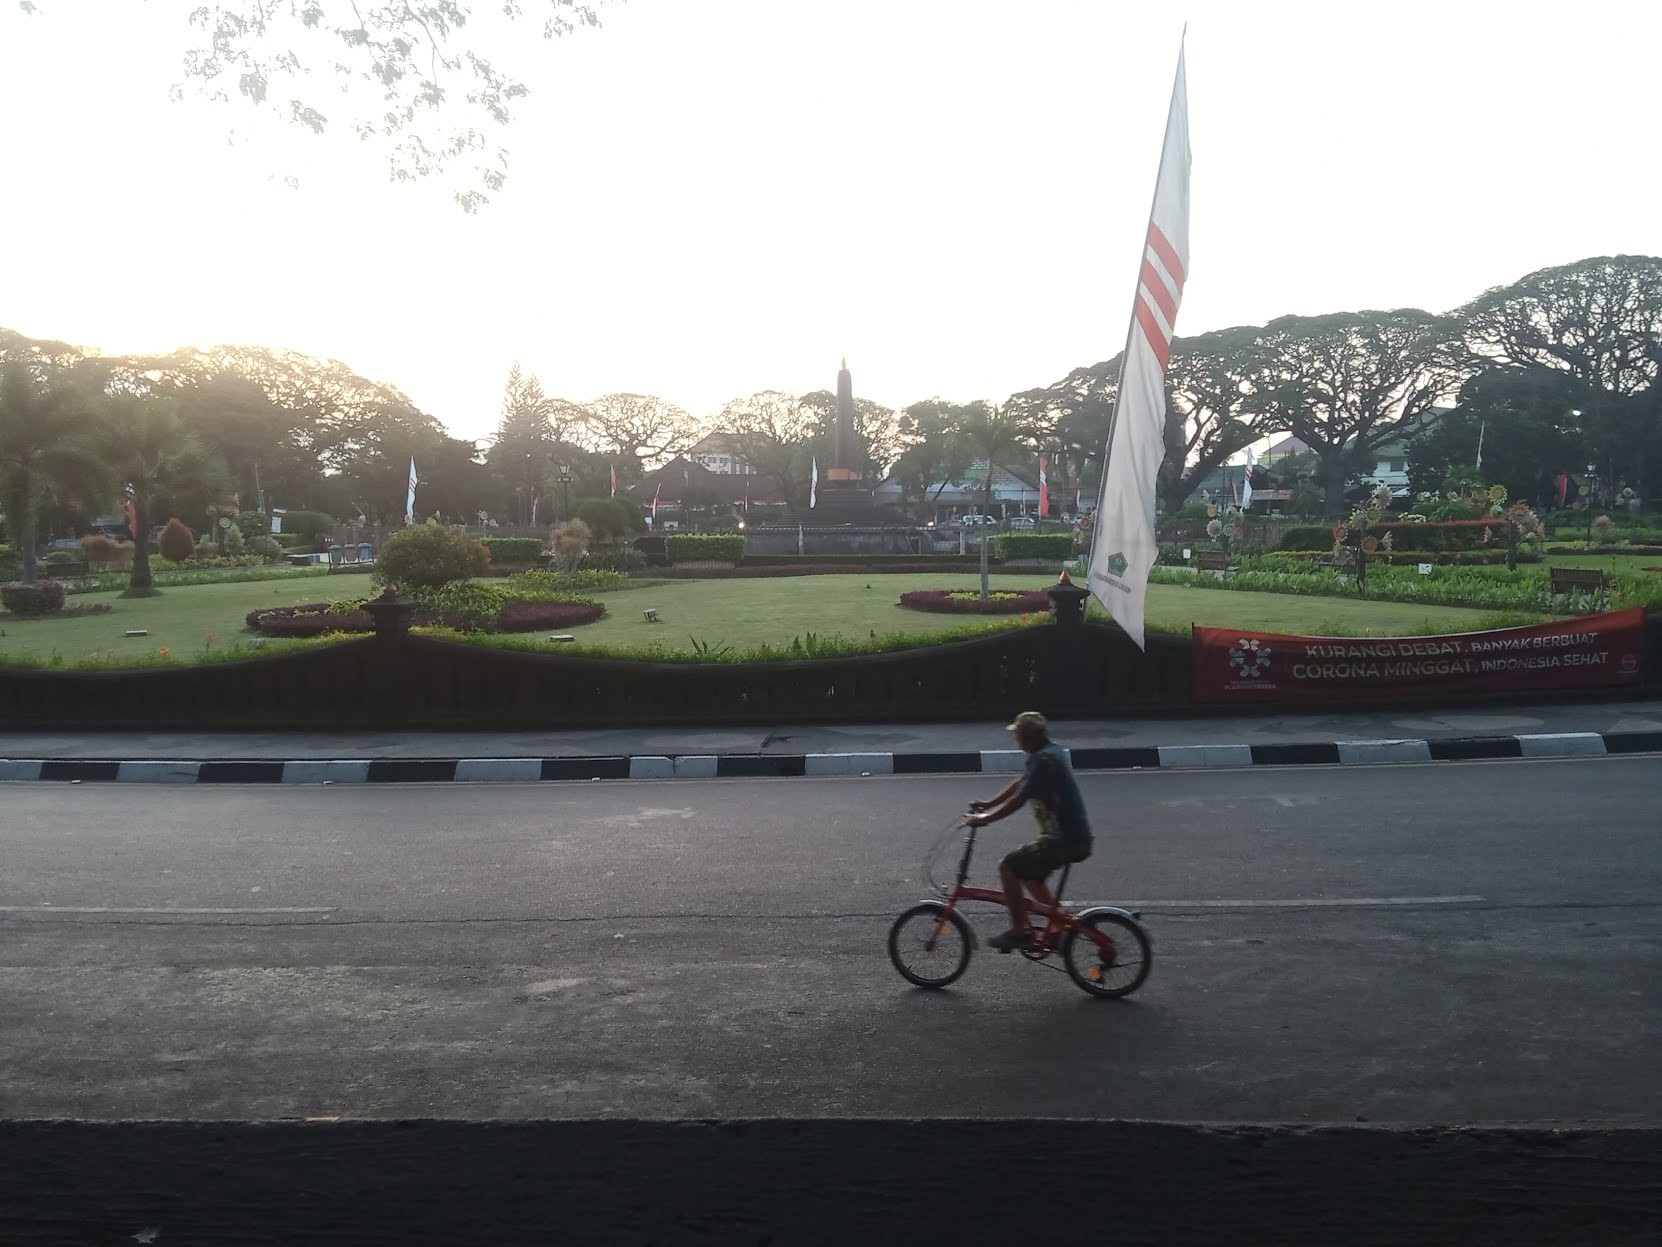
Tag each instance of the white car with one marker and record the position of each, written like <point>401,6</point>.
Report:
<point>970,521</point>
<point>1021,521</point>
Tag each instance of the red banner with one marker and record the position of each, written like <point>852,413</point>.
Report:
<point>1235,666</point>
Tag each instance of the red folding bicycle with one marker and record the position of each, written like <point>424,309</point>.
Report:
<point>1104,949</point>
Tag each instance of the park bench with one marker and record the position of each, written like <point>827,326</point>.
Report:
<point>1588,580</point>
<point>1213,561</point>
<point>1345,559</point>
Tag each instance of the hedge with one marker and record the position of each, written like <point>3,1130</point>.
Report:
<point>514,549</point>
<point>699,548</point>
<point>748,571</point>
<point>867,562</point>
<point>1443,535</point>
<point>41,598</point>
<point>1052,547</point>
<point>319,619</point>
<point>1003,602</point>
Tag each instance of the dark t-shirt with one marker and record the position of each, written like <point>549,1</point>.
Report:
<point>1048,784</point>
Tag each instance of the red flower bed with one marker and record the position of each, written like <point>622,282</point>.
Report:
<point>530,616</point>
<point>312,619</point>
<point>941,601</point>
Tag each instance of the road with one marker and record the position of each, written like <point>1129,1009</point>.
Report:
<point>1452,942</point>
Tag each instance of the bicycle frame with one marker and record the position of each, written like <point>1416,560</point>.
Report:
<point>1058,921</point>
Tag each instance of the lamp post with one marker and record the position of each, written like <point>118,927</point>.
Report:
<point>1588,489</point>
<point>565,489</point>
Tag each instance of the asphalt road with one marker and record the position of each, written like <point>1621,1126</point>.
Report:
<point>1452,942</point>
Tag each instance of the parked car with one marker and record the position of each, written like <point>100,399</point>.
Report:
<point>970,521</point>
<point>1021,521</point>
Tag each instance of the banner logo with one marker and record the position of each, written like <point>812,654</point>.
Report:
<point>1249,658</point>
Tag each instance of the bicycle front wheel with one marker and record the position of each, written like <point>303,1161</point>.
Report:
<point>929,946</point>
<point>1118,965</point>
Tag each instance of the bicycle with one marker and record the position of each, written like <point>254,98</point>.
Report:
<point>930,943</point>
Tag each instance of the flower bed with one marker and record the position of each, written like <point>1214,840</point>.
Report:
<point>68,612</point>
<point>970,601</point>
<point>493,611</point>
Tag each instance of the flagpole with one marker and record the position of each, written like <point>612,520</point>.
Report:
<point>1131,326</point>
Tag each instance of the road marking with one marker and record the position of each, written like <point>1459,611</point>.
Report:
<point>1330,902</point>
<point>115,909</point>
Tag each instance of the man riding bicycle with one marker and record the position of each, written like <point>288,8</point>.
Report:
<point>1064,834</point>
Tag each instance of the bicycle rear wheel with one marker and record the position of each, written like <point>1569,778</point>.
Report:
<point>1116,970</point>
<point>929,946</point>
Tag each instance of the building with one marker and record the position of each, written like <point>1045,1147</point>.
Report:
<point>715,452</point>
<point>1014,493</point>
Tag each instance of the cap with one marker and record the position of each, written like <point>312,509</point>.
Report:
<point>1029,721</point>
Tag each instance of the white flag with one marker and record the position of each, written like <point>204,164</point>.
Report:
<point>1246,493</point>
<point>813,484</point>
<point>1125,545</point>
<point>409,502</point>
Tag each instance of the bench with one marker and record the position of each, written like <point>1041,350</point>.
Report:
<point>1343,560</point>
<point>1588,580</point>
<point>1213,561</point>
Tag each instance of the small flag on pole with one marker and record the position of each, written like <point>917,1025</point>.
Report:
<point>1235,492</point>
<point>1126,545</point>
<point>1246,490</point>
<point>132,511</point>
<point>1044,490</point>
<point>813,484</point>
<point>614,480</point>
<point>536,502</point>
<point>409,501</point>
<point>1482,425</point>
<point>656,491</point>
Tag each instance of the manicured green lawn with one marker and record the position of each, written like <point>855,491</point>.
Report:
<point>178,618</point>
<point>739,613</point>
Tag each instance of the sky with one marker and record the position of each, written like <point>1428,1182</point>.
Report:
<point>710,199</point>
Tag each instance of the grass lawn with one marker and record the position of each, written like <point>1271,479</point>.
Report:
<point>739,613</point>
<point>747,612</point>
<point>177,618</point>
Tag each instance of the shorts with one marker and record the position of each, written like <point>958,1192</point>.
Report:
<point>1037,860</point>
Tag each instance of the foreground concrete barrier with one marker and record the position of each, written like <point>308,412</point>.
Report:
<point>838,1182</point>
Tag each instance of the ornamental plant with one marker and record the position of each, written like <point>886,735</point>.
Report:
<point>1353,543</point>
<point>176,544</point>
<point>429,555</point>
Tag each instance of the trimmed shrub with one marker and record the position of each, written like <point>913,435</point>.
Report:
<point>523,616</point>
<point>253,523</point>
<point>554,584</point>
<point>61,558</point>
<point>614,559</point>
<point>1050,547</point>
<point>867,562</point>
<point>970,602</point>
<point>232,539</point>
<point>265,548</point>
<point>176,544</point>
<point>291,541</point>
<point>609,518</point>
<point>41,598</point>
<point>308,525</point>
<point>313,619</point>
<point>525,550</point>
<point>1306,537</point>
<point>427,556</point>
<point>698,548</point>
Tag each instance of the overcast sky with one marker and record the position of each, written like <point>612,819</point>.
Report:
<point>709,199</point>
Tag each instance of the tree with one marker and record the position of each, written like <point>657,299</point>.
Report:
<point>637,427</point>
<point>405,76</point>
<point>49,448</point>
<point>149,446</point>
<point>1599,322</point>
<point>993,434</point>
<point>934,453</point>
<point>1346,383</point>
<point>527,445</point>
<point>877,437</point>
<point>769,431</point>
<point>1209,413</point>
<point>1522,416</point>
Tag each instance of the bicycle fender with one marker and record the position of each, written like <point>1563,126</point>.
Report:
<point>1133,918</point>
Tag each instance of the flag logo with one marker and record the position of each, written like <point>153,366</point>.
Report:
<point>1117,563</point>
<point>1249,658</point>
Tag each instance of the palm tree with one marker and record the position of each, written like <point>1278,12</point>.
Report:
<point>992,433</point>
<point>48,448</point>
<point>150,447</point>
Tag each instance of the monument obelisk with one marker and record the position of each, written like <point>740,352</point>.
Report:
<point>842,479</point>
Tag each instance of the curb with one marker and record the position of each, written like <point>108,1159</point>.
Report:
<point>780,765</point>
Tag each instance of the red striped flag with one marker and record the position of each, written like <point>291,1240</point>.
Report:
<point>1126,545</point>
<point>1044,490</point>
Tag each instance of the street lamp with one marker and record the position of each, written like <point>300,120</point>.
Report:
<point>565,486</point>
<point>1588,487</point>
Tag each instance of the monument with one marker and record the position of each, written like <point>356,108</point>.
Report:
<point>842,500</point>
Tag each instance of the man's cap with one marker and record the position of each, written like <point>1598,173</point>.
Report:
<point>1029,721</point>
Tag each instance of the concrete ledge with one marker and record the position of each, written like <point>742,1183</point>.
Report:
<point>584,768</point>
<point>1205,755</point>
<point>1562,745</point>
<point>1365,751</point>
<point>814,1181</point>
<point>341,771</point>
<point>497,770</point>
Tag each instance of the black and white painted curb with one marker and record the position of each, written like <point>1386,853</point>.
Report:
<point>770,765</point>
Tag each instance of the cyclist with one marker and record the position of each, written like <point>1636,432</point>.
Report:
<point>1064,834</point>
